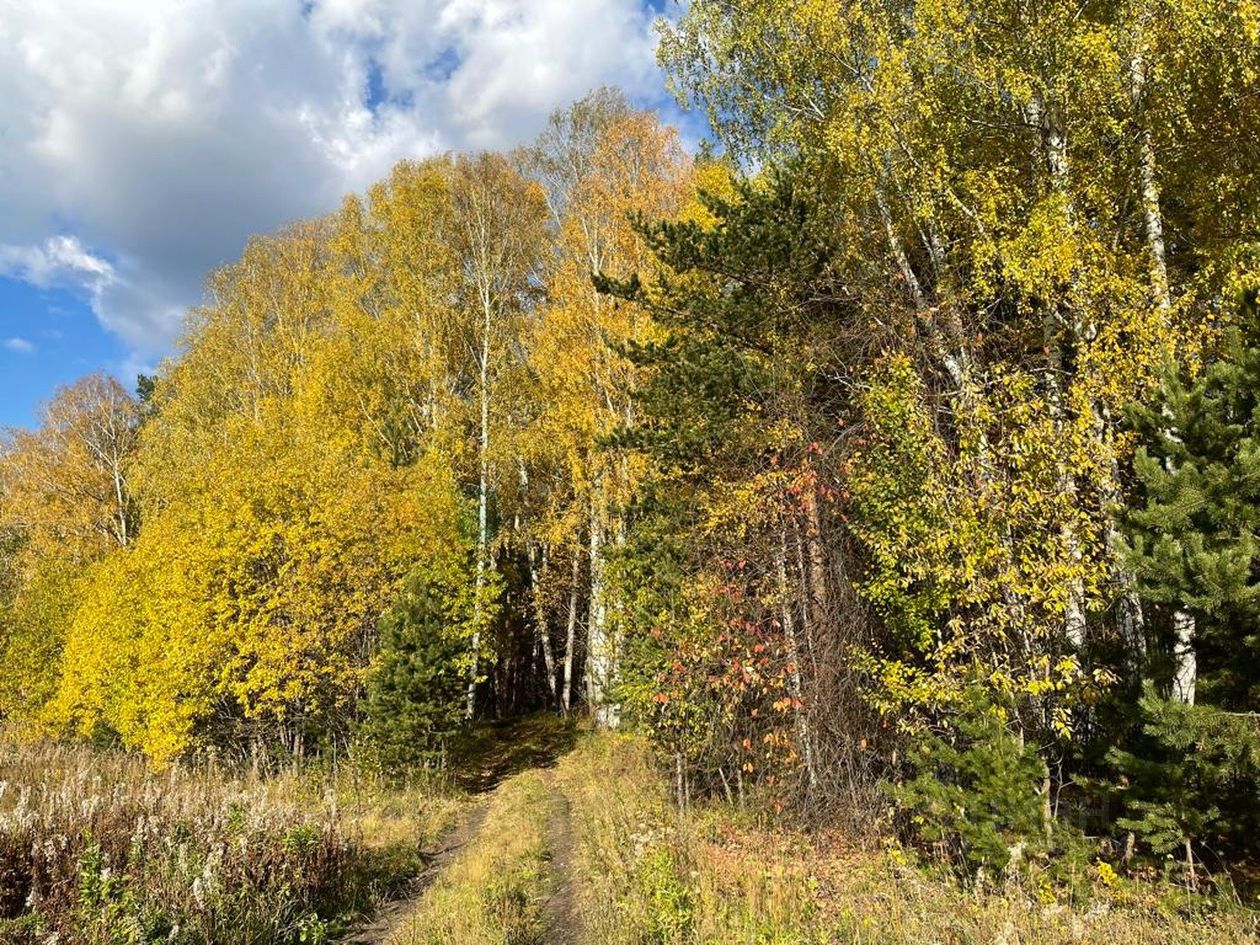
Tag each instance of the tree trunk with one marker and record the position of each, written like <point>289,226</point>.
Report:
<point>803,733</point>
<point>1060,325</point>
<point>1130,621</point>
<point>120,497</point>
<point>536,575</point>
<point>540,619</point>
<point>1185,662</point>
<point>599,656</point>
<point>819,597</point>
<point>483,501</point>
<point>953,362</point>
<point>571,634</point>
<point>1148,183</point>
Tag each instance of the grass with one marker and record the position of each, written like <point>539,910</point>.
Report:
<point>491,893</point>
<point>650,876</point>
<point>491,752</point>
<point>96,848</point>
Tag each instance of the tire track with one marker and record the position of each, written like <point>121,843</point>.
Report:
<point>561,917</point>
<point>390,917</point>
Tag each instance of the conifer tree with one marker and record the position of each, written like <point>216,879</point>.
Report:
<point>1194,527</point>
<point>415,688</point>
<point>1192,774</point>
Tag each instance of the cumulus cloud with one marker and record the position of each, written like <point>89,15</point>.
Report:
<point>142,142</point>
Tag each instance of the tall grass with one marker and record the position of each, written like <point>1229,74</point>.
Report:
<point>492,892</point>
<point>652,876</point>
<point>95,848</point>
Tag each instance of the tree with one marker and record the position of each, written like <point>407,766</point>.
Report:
<point>400,350</point>
<point>415,688</point>
<point>1005,167</point>
<point>66,501</point>
<point>286,492</point>
<point>977,793</point>
<point>733,567</point>
<point>552,465</point>
<point>67,483</point>
<point>1190,778</point>
<point>603,165</point>
<point>1194,524</point>
<point>498,227</point>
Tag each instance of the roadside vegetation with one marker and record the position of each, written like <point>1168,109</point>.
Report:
<point>890,466</point>
<point>651,874</point>
<point>95,847</point>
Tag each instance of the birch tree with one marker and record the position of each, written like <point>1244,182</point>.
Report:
<point>498,227</point>
<point>601,163</point>
<point>66,502</point>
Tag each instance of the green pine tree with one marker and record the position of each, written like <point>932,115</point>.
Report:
<point>1190,774</point>
<point>1194,529</point>
<point>742,386</point>
<point>415,687</point>
<point>1192,777</point>
<point>978,791</point>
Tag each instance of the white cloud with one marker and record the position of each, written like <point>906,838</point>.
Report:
<point>162,134</point>
<point>18,345</point>
<point>63,262</point>
<point>59,260</point>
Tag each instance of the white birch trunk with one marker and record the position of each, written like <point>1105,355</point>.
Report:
<point>1052,144</point>
<point>1148,184</point>
<point>483,501</point>
<point>600,663</point>
<point>536,577</point>
<point>1185,659</point>
<point>540,619</point>
<point>571,635</point>
<point>1185,662</point>
<point>954,363</point>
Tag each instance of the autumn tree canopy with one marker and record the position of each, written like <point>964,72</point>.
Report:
<point>901,436</point>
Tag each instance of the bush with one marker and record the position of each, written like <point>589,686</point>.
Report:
<point>95,848</point>
<point>978,792</point>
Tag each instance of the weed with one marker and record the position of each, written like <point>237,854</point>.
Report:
<point>95,848</point>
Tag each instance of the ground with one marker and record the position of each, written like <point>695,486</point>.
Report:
<point>573,841</point>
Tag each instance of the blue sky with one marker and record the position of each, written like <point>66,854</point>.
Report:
<point>141,143</point>
<point>48,337</point>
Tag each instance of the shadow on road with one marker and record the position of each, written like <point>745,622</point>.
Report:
<point>494,751</point>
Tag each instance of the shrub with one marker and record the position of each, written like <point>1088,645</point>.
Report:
<point>95,848</point>
<point>978,792</point>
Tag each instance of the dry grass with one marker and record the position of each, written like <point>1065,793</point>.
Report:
<point>492,891</point>
<point>96,848</point>
<point>628,888</point>
<point>714,876</point>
